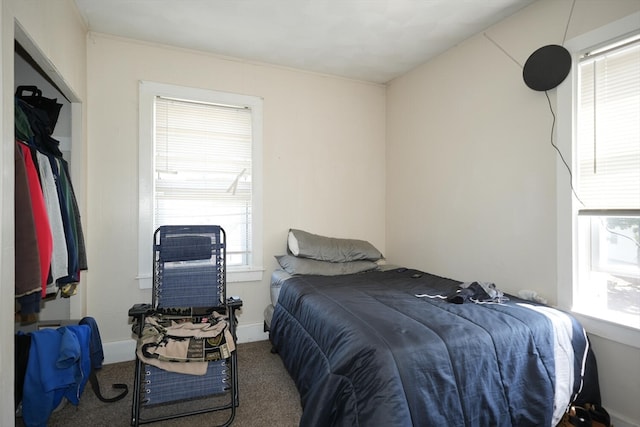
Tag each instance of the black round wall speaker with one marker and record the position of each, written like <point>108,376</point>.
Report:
<point>547,67</point>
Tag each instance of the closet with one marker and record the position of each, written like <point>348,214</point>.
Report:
<point>32,83</point>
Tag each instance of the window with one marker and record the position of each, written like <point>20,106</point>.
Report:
<point>607,159</point>
<point>199,164</point>
<point>598,116</point>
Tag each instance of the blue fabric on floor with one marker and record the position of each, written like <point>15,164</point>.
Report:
<point>59,366</point>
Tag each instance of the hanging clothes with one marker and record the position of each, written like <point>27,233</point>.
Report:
<point>75,211</point>
<point>22,127</point>
<point>59,258</point>
<point>59,241</point>
<point>40,216</point>
<point>27,264</point>
<point>67,221</point>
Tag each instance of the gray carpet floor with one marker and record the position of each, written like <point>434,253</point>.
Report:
<point>268,396</point>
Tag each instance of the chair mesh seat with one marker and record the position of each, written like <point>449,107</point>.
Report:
<point>162,386</point>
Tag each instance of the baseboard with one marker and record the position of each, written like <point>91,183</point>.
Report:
<point>123,351</point>
<point>617,421</point>
<point>119,351</point>
<point>252,332</point>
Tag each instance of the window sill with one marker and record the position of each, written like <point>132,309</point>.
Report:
<point>609,330</point>
<point>249,274</point>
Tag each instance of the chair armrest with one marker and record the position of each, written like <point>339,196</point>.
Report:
<point>234,302</point>
<point>139,310</point>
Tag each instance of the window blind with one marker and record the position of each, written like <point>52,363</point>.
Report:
<point>202,167</point>
<point>608,129</point>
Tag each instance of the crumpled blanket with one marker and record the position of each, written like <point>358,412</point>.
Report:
<point>163,343</point>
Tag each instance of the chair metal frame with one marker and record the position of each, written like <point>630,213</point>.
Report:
<point>196,310</point>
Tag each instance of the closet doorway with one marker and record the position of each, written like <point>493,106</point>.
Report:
<point>32,68</point>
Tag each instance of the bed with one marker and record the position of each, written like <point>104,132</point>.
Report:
<point>389,346</point>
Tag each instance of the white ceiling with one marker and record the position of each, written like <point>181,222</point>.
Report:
<point>372,40</point>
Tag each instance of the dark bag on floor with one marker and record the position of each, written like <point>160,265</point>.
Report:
<point>591,415</point>
<point>576,417</point>
<point>599,416</point>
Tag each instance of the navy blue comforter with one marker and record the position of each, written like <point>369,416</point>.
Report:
<point>365,351</point>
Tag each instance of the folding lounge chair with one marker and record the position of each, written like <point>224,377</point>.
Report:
<point>189,291</point>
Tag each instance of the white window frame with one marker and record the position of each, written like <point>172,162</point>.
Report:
<point>147,93</point>
<point>566,206</point>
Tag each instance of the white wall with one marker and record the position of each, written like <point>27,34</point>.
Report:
<point>324,164</point>
<point>471,173</point>
<point>55,34</point>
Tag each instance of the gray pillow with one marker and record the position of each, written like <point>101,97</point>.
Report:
<point>321,248</point>
<point>295,265</point>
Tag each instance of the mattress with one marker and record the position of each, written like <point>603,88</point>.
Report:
<point>278,277</point>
